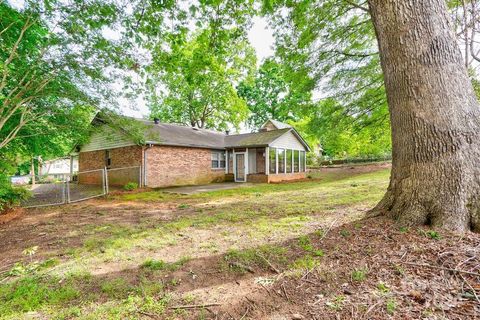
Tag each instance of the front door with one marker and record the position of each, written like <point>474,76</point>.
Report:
<point>240,167</point>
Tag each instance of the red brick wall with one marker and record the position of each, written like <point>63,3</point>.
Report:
<point>173,166</point>
<point>257,178</point>
<point>286,176</point>
<point>120,157</point>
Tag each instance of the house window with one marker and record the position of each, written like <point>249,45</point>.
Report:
<point>302,161</point>
<point>108,160</point>
<point>222,159</point>
<point>289,161</point>
<point>272,156</point>
<point>296,158</point>
<point>281,160</point>
<point>218,160</point>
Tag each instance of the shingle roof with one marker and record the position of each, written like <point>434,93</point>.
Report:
<point>178,135</point>
<point>254,139</point>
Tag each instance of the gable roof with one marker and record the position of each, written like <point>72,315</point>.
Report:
<point>254,139</point>
<point>277,124</point>
<point>178,135</point>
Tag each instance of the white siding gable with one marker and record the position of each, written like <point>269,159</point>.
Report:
<point>105,137</point>
<point>288,141</point>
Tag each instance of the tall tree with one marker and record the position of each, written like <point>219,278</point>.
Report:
<point>52,59</point>
<point>270,96</point>
<point>434,114</point>
<point>194,83</point>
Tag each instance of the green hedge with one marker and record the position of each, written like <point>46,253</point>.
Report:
<point>11,196</point>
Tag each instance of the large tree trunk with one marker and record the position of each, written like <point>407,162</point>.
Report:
<point>434,114</point>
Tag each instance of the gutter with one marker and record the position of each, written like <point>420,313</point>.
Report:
<point>148,146</point>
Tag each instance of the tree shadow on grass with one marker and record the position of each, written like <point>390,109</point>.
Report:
<point>316,279</point>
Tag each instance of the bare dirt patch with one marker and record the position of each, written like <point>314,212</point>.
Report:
<point>293,251</point>
<point>10,214</point>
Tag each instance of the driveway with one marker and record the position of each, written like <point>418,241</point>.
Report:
<point>206,188</point>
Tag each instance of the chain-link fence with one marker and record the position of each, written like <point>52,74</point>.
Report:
<point>46,190</point>
<point>66,188</point>
<point>51,190</point>
<point>119,177</point>
<point>86,185</point>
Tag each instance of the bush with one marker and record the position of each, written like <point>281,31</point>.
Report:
<point>11,196</point>
<point>130,186</point>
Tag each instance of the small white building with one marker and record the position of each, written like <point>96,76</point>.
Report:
<point>58,168</point>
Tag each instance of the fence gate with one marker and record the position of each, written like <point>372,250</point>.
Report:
<point>48,190</point>
<point>51,190</point>
<point>86,185</point>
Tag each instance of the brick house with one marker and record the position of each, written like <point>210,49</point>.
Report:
<point>172,155</point>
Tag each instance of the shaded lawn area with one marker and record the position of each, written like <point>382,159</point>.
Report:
<point>137,255</point>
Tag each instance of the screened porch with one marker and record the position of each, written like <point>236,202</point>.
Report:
<point>265,164</point>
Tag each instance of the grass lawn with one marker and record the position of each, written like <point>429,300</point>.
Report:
<point>148,254</point>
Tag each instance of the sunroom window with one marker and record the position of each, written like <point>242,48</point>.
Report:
<point>289,161</point>
<point>272,156</point>
<point>281,160</point>
<point>296,158</point>
<point>302,161</point>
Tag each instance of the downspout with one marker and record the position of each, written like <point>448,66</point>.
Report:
<point>145,164</point>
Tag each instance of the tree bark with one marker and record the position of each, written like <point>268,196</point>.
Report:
<point>434,114</point>
<point>32,170</point>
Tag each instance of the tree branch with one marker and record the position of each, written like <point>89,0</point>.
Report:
<point>353,4</point>
<point>13,51</point>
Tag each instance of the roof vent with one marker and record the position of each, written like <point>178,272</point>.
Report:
<point>156,120</point>
<point>195,128</point>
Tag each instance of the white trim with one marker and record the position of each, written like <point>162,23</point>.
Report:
<point>267,160</point>
<point>276,160</point>
<point>246,163</point>
<point>226,161</point>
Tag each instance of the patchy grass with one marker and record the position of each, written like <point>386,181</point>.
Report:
<point>359,275</point>
<point>156,265</point>
<point>126,257</point>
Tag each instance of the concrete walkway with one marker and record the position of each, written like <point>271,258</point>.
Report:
<point>206,188</point>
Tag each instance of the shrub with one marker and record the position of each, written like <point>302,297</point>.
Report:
<point>11,196</point>
<point>130,186</point>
